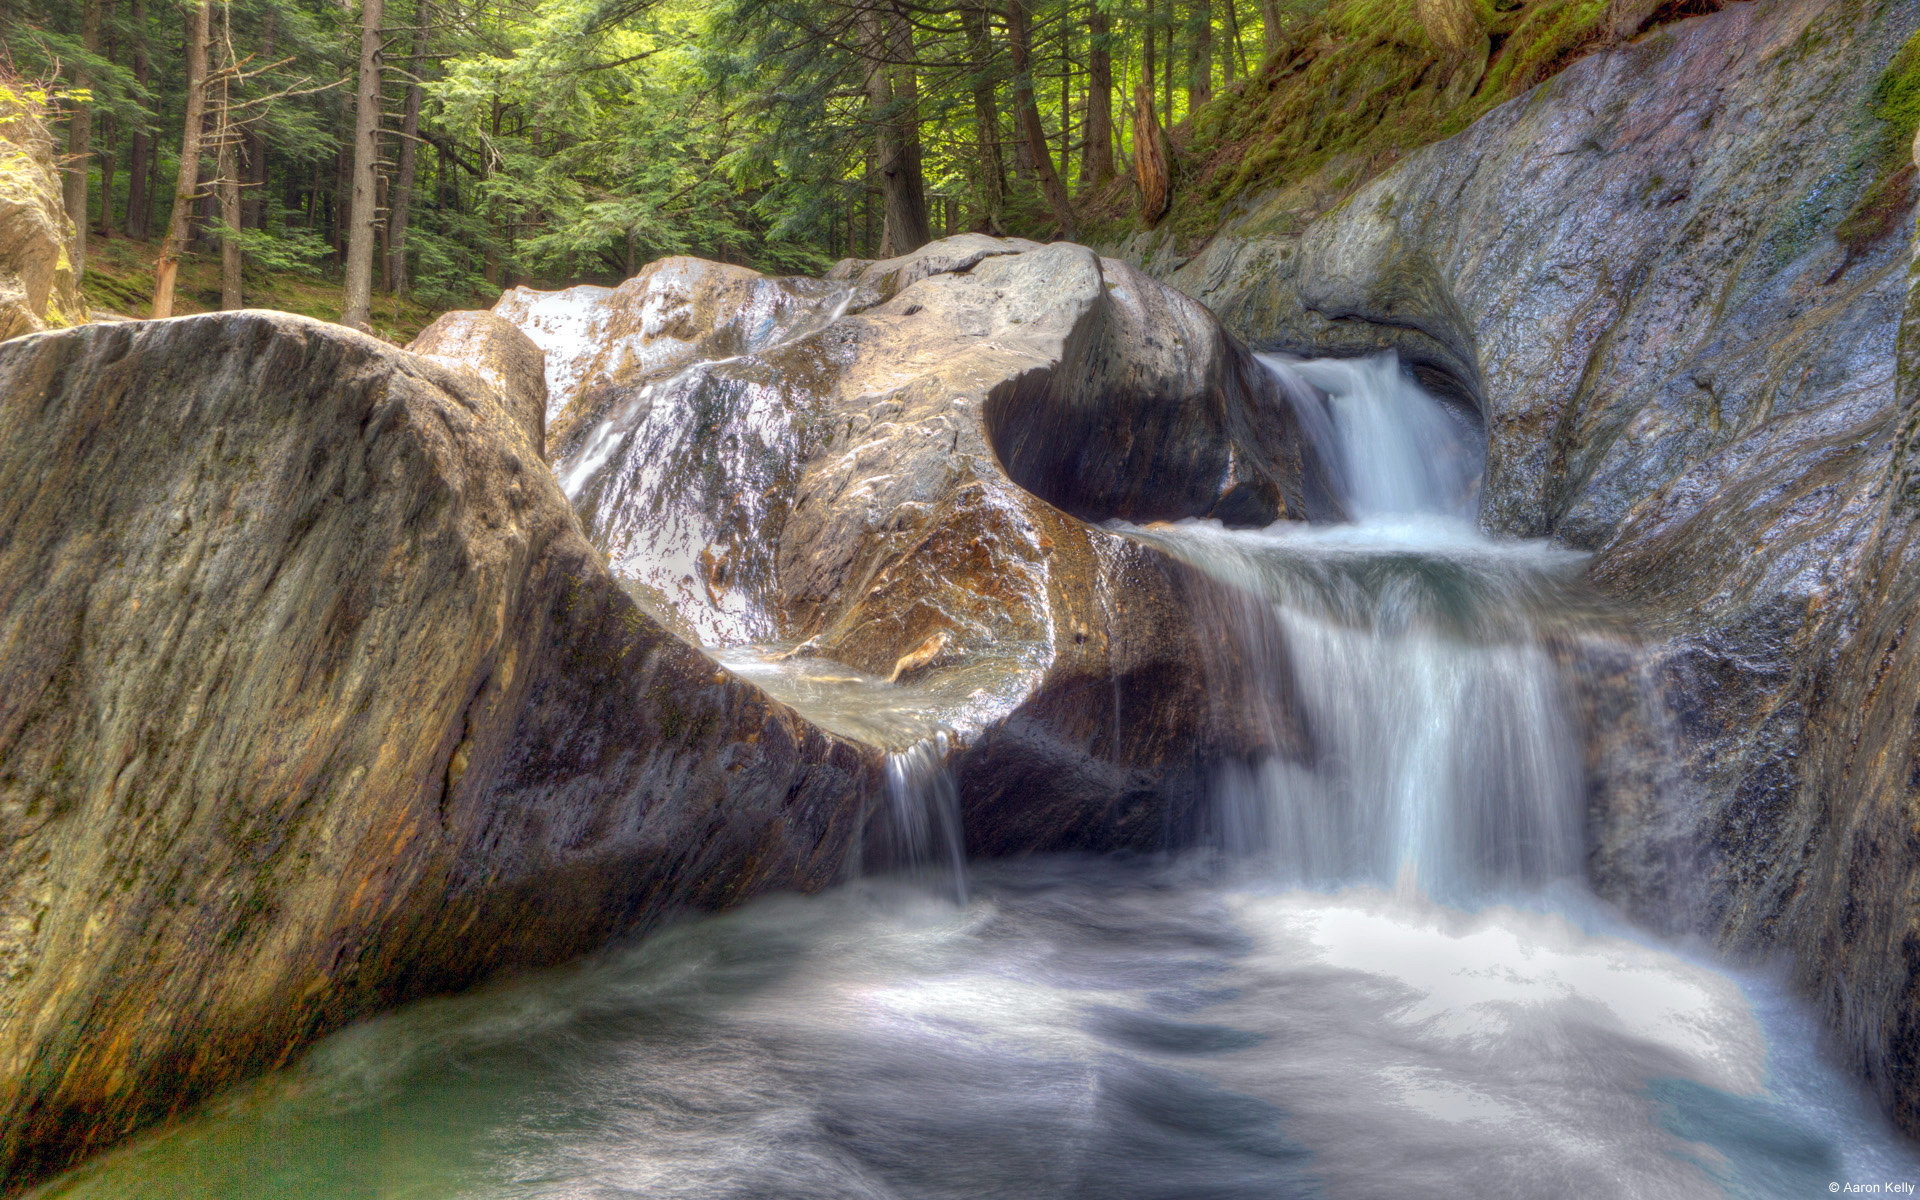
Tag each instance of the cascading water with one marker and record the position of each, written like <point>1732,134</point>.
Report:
<point>919,835</point>
<point>1401,991</point>
<point>1442,756</point>
<point>1387,447</point>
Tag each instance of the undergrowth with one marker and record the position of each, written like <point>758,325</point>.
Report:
<point>1360,84</point>
<point>119,279</point>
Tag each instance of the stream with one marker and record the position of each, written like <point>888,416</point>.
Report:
<point>1379,974</point>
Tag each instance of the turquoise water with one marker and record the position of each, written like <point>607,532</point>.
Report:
<point>1079,1028</point>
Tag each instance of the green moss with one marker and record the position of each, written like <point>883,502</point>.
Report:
<point>1896,104</point>
<point>120,279</point>
<point>1359,86</point>
<point>1896,98</point>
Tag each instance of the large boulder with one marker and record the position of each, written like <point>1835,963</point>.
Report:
<point>37,286</point>
<point>675,312</point>
<point>906,479</point>
<point>314,697</point>
<point>1671,279</point>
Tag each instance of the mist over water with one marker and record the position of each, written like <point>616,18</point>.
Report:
<point>1379,976</point>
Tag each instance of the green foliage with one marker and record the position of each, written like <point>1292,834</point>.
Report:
<point>1361,83</point>
<point>576,140</point>
<point>288,249</point>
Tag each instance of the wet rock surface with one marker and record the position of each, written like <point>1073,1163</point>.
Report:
<point>904,485</point>
<point>1644,275</point>
<point>313,698</point>
<point>604,343</point>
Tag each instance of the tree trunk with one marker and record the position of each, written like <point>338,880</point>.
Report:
<point>337,204</point>
<point>1099,156</point>
<point>1167,69</point>
<point>383,244</point>
<point>253,147</point>
<point>187,183</point>
<point>140,159</point>
<point>205,239</point>
<point>1234,55</point>
<point>226,170</point>
<point>253,173</point>
<point>1200,57</point>
<point>228,190</point>
<point>893,100</point>
<point>1149,43</point>
<point>1066,91</point>
<point>1150,157</point>
<point>401,208</point>
<point>109,160</point>
<point>357,310</point>
<point>80,141</point>
<point>986,117</point>
<point>1019,41</point>
<point>1270,38</point>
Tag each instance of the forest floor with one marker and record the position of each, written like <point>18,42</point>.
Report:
<point>120,280</point>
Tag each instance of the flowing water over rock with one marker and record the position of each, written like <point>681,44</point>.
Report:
<point>677,444</point>
<point>1379,975</point>
<point>1443,754</point>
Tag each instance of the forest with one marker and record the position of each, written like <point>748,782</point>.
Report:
<point>959,599</point>
<point>493,143</point>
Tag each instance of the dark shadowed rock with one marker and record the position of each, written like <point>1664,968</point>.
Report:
<point>313,698</point>
<point>1650,276</point>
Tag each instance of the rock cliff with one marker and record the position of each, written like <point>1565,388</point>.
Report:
<point>1671,279</point>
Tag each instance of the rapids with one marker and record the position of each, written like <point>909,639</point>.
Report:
<point>1378,974</point>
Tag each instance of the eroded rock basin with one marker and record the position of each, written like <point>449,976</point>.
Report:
<point>1087,1028</point>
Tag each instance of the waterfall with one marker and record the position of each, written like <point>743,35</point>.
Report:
<point>1128,1027</point>
<point>1387,447</point>
<point>918,834</point>
<point>1440,751</point>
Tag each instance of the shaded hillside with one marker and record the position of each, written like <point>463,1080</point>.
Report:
<point>1357,86</point>
<point>120,280</point>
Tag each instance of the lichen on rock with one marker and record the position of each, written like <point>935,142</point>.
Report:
<point>37,286</point>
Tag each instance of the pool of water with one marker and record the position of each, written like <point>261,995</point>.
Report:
<point>1078,1028</point>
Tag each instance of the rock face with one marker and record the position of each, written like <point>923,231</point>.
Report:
<point>313,697</point>
<point>675,312</point>
<point>1650,275</point>
<point>902,480</point>
<point>504,358</point>
<point>37,287</point>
